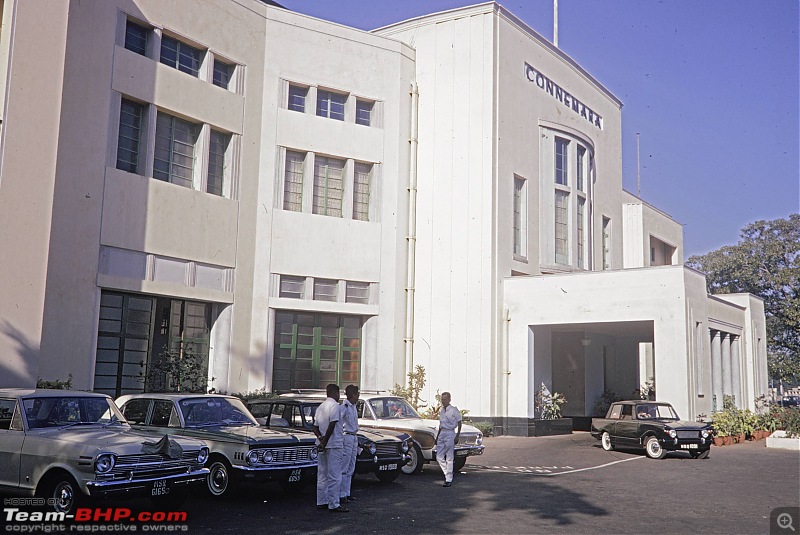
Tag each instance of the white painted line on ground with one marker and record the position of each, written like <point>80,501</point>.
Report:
<point>545,470</point>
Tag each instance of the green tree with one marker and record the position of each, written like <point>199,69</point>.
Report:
<point>766,263</point>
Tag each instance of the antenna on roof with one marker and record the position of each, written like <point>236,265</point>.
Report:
<point>555,23</point>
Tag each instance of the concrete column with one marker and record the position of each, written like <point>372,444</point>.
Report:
<point>716,369</point>
<point>736,369</point>
<point>727,372</point>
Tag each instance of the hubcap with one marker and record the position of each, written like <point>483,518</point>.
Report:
<point>218,479</point>
<point>64,496</point>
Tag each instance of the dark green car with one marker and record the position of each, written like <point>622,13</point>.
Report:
<point>240,449</point>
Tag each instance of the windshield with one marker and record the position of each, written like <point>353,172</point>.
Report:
<point>662,412</point>
<point>392,408</point>
<point>205,411</point>
<point>70,411</point>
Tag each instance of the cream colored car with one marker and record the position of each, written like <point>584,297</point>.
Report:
<point>65,446</point>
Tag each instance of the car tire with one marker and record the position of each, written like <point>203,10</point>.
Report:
<point>458,463</point>
<point>218,480</point>
<point>605,441</point>
<point>414,466</point>
<point>388,476</point>
<point>64,491</point>
<point>653,448</point>
<point>700,454</point>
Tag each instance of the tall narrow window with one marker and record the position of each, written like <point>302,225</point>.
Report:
<point>218,145</point>
<point>174,150</point>
<point>297,98</point>
<point>581,170</point>
<point>328,186</point>
<point>520,217</point>
<point>331,104</point>
<point>136,38</point>
<point>561,161</point>
<point>361,186</point>
<point>364,112</point>
<point>223,72</point>
<point>130,134</point>
<point>293,181</point>
<point>581,234</point>
<point>606,243</point>
<point>181,56</point>
<point>561,228</point>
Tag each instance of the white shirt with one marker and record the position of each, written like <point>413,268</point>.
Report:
<point>449,417</point>
<point>326,413</point>
<point>348,415</point>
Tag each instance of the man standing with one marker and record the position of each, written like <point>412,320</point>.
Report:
<point>329,463</point>
<point>447,437</point>
<point>349,418</point>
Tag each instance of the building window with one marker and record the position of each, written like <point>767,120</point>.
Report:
<point>297,98</point>
<point>181,56</point>
<point>293,181</point>
<point>218,145</point>
<point>581,171</point>
<point>561,228</point>
<point>223,72</point>
<point>606,243</point>
<point>330,105</point>
<point>581,234</point>
<point>364,112</point>
<point>130,135</point>
<point>357,292</point>
<point>328,186</point>
<point>174,150</point>
<point>520,217</point>
<point>561,161</point>
<point>292,287</point>
<point>313,350</point>
<point>136,38</point>
<point>361,187</point>
<point>326,290</point>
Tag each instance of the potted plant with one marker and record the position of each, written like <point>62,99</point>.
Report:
<point>548,406</point>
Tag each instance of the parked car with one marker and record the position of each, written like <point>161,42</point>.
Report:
<point>382,453</point>
<point>392,413</point>
<point>790,401</point>
<point>68,446</point>
<point>240,449</point>
<point>653,426</point>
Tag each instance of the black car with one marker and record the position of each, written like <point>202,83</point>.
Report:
<point>382,453</point>
<point>653,426</point>
<point>790,401</point>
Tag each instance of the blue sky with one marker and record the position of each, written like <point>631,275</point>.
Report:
<point>712,86</point>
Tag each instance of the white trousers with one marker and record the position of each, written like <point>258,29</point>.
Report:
<point>445,452</point>
<point>329,477</point>
<point>349,453</point>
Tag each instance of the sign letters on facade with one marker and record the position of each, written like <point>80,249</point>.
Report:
<point>547,85</point>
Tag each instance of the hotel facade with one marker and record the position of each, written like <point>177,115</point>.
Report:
<point>294,202</point>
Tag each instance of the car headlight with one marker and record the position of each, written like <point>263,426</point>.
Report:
<point>479,440</point>
<point>104,463</point>
<point>314,454</point>
<point>268,456</point>
<point>672,433</point>
<point>202,456</point>
<point>252,457</point>
<point>371,448</point>
<point>404,446</point>
<point>704,433</point>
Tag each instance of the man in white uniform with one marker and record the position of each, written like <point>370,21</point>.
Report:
<point>447,437</point>
<point>329,463</point>
<point>348,415</point>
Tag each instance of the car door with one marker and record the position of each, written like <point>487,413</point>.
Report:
<point>610,423</point>
<point>365,416</point>
<point>627,428</point>
<point>12,436</point>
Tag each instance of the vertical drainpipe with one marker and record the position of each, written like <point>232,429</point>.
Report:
<point>411,236</point>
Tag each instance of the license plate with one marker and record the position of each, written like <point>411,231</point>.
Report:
<point>392,466</point>
<point>688,446</point>
<point>462,453</point>
<point>295,475</point>
<point>160,488</point>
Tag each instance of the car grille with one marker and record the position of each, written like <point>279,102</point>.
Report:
<point>289,455</point>
<point>388,449</point>
<point>144,466</point>
<point>688,433</point>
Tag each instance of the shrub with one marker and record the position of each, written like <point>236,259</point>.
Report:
<point>487,428</point>
<point>604,402</point>
<point>56,384</point>
<point>548,405</point>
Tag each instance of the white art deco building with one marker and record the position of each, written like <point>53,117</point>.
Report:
<point>295,202</point>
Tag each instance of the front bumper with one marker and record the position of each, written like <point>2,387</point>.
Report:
<point>686,444</point>
<point>463,451</point>
<point>152,486</point>
<point>368,465</point>
<point>277,473</point>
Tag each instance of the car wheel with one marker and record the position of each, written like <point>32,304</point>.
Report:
<point>700,454</point>
<point>387,476</point>
<point>414,466</point>
<point>605,441</point>
<point>64,492</point>
<point>219,477</point>
<point>653,449</point>
<point>458,463</point>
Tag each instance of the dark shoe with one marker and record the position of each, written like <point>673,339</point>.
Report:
<point>323,506</point>
<point>448,484</point>
<point>350,499</point>
<point>340,509</point>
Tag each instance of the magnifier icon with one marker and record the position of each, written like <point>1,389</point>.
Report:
<point>785,521</point>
